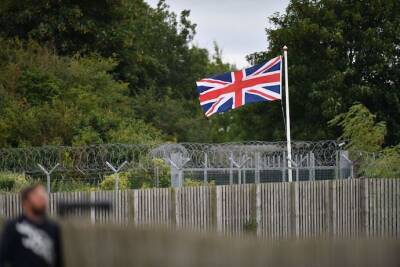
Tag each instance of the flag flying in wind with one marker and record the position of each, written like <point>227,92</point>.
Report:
<point>234,89</point>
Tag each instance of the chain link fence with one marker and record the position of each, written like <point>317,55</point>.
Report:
<point>178,164</point>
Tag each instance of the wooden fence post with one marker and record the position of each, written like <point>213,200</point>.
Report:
<point>218,207</point>
<point>330,208</point>
<point>334,208</point>
<point>213,206</point>
<point>294,210</point>
<point>132,207</point>
<point>172,207</point>
<point>92,209</point>
<point>253,207</point>
<point>258,209</point>
<point>364,212</point>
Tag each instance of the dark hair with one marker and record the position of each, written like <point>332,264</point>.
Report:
<point>28,190</point>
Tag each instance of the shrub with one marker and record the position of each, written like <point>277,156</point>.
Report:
<point>146,177</point>
<point>71,186</point>
<point>359,126</point>
<point>366,137</point>
<point>13,182</point>
<point>189,182</point>
<point>6,184</point>
<point>108,182</point>
<point>386,165</point>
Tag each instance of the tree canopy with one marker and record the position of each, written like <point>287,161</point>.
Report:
<point>340,53</point>
<point>47,99</point>
<point>85,72</point>
<point>365,138</point>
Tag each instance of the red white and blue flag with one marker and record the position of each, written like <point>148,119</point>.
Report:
<point>234,89</point>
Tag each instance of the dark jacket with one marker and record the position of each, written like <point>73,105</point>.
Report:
<point>28,244</point>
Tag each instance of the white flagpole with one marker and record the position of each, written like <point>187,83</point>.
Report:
<point>289,141</point>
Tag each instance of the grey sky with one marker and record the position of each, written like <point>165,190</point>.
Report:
<point>237,26</point>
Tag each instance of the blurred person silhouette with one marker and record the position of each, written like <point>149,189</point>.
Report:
<point>32,239</point>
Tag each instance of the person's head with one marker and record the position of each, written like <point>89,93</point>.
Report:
<point>34,200</point>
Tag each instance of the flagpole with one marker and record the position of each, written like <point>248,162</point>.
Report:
<point>288,138</point>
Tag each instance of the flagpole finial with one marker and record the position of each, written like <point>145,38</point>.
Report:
<point>285,48</point>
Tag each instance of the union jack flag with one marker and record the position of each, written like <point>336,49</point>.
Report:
<point>234,89</point>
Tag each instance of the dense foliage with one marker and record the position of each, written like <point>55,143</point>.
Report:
<point>340,52</point>
<point>360,129</point>
<point>84,72</point>
<point>13,182</point>
<point>48,99</point>
<point>365,138</point>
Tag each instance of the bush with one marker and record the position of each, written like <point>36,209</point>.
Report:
<point>71,186</point>
<point>386,165</point>
<point>109,182</point>
<point>366,138</point>
<point>13,182</point>
<point>6,184</point>
<point>189,182</point>
<point>146,178</point>
<point>359,126</point>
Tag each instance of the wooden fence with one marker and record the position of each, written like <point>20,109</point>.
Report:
<point>107,245</point>
<point>337,208</point>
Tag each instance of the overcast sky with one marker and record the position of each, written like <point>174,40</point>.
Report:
<point>237,26</point>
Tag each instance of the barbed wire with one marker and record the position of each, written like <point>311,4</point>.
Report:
<point>92,159</point>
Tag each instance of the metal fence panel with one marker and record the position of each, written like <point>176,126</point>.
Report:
<point>227,163</point>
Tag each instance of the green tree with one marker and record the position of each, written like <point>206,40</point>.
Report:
<point>152,53</point>
<point>48,99</point>
<point>340,52</point>
<point>366,137</point>
<point>150,44</point>
<point>67,26</point>
<point>180,117</point>
<point>359,127</point>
